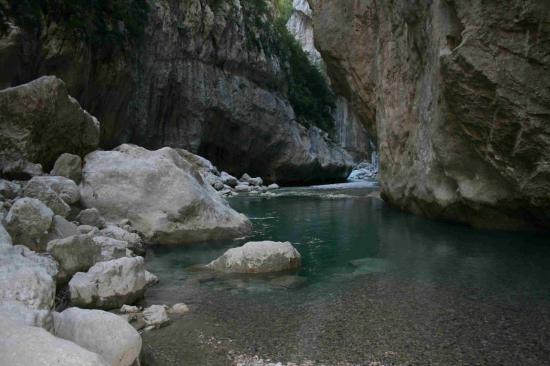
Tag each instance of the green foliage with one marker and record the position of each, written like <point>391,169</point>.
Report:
<point>308,92</point>
<point>103,25</point>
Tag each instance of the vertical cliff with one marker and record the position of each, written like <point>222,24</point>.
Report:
<point>207,75</point>
<point>349,131</point>
<point>457,95</point>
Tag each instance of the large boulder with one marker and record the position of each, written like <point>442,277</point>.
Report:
<point>39,121</point>
<point>26,315</point>
<point>78,253</point>
<point>101,332</point>
<point>258,257</point>
<point>109,285</point>
<point>26,278</point>
<point>28,221</point>
<point>68,166</point>
<point>457,96</point>
<point>160,192</point>
<point>23,345</point>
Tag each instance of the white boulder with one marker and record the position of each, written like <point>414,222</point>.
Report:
<point>22,345</point>
<point>160,192</point>
<point>109,285</point>
<point>101,332</point>
<point>258,257</point>
<point>28,221</point>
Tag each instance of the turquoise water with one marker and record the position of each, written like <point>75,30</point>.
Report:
<point>376,285</point>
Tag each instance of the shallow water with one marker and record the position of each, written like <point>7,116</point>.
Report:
<point>376,285</point>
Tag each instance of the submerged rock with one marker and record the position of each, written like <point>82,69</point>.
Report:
<point>258,257</point>
<point>29,346</point>
<point>39,121</point>
<point>160,193</point>
<point>28,221</point>
<point>101,332</point>
<point>109,285</point>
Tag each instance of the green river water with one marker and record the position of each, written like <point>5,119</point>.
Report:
<point>377,286</point>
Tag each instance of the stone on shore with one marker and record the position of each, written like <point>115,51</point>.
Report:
<point>60,229</point>
<point>229,180</point>
<point>68,166</point>
<point>39,189</point>
<point>134,241</point>
<point>258,257</point>
<point>23,345</point>
<point>65,188</point>
<point>92,217</point>
<point>101,332</point>
<point>28,221</point>
<point>109,285</point>
<point>161,193</point>
<point>156,316</point>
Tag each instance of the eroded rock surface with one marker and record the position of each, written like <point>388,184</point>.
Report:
<point>457,95</point>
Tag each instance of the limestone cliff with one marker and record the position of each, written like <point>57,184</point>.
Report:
<point>350,132</point>
<point>200,80</point>
<point>457,93</point>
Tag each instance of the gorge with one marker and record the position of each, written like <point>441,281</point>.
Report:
<point>274,182</point>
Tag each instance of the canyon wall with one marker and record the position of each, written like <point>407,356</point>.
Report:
<point>457,94</point>
<point>200,80</point>
<point>350,132</point>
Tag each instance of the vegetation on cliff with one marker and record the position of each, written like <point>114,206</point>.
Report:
<point>308,92</point>
<point>105,26</point>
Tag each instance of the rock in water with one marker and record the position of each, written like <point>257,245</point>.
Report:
<point>39,121</point>
<point>68,166</point>
<point>109,285</point>
<point>258,257</point>
<point>28,221</point>
<point>156,316</point>
<point>461,118</point>
<point>161,193</point>
<point>31,346</point>
<point>101,332</point>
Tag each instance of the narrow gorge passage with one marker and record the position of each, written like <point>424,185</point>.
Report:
<point>274,182</point>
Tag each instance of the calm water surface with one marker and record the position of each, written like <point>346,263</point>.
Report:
<point>376,285</point>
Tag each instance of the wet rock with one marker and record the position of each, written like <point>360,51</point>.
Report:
<point>150,279</point>
<point>258,257</point>
<point>92,217</point>
<point>26,346</point>
<point>179,309</point>
<point>177,209</point>
<point>30,109</point>
<point>156,316</point>
<point>109,285</point>
<point>37,188</point>
<point>68,166</point>
<point>101,332</point>
<point>28,221</point>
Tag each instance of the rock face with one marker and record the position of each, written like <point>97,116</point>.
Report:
<point>161,193</point>
<point>24,346</point>
<point>208,88</point>
<point>28,221</point>
<point>456,93</point>
<point>109,285</point>
<point>101,332</point>
<point>258,257</point>
<point>39,121</point>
